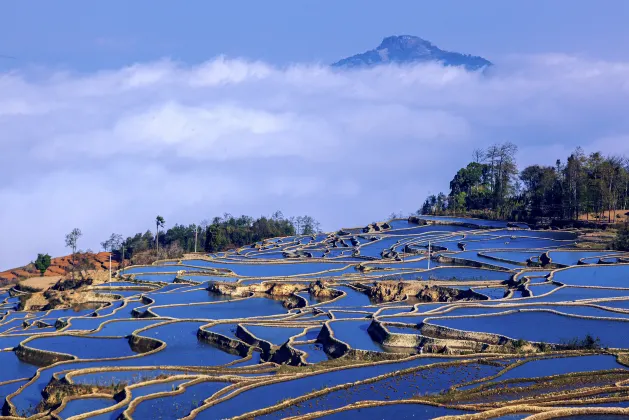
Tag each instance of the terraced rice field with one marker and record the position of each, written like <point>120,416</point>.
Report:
<point>360,323</point>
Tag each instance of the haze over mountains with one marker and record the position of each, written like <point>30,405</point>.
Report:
<point>409,49</point>
<point>170,128</point>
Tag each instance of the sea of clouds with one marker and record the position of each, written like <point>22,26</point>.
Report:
<point>108,151</point>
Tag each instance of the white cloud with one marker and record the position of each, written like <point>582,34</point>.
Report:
<point>108,151</point>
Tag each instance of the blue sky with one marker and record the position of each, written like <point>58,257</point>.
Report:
<point>114,112</point>
<point>92,35</point>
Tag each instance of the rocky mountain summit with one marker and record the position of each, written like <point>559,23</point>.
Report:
<point>408,49</point>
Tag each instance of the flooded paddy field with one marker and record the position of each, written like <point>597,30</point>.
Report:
<point>498,320</point>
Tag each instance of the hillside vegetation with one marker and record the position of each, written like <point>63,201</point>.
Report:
<point>590,187</point>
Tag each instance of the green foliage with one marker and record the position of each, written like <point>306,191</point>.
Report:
<point>545,347</point>
<point>42,263</point>
<point>222,233</point>
<point>159,223</point>
<point>520,343</point>
<point>231,232</point>
<point>542,189</point>
<point>470,187</point>
<point>139,242</point>
<point>216,237</point>
<point>622,239</point>
<point>435,204</point>
<point>589,342</point>
<point>492,186</point>
<point>303,225</point>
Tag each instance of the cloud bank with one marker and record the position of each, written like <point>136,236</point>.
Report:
<point>108,151</point>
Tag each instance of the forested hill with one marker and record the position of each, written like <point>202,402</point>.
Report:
<point>581,187</point>
<point>219,234</point>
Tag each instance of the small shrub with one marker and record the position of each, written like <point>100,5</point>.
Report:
<point>621,242</point>
<point>520,343</point>
<point>589,342</point>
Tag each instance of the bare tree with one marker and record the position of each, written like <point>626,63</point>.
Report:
<point>113,243</point>
<point>298,222</point>
<point>72,240</point>
<point>478,155</point>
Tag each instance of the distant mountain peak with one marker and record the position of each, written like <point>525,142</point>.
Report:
<point>404,42</point>
<point>409,49</point>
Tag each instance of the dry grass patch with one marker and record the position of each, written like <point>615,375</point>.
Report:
<point>41,283</point>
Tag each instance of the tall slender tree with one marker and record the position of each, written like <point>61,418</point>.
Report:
<point>159,223</point>
<point>72,240</point>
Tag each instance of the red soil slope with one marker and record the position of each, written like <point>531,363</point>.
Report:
<point>58,267</point>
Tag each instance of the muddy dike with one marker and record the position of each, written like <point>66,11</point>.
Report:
<point>394,291</point>
<point>39,357</point>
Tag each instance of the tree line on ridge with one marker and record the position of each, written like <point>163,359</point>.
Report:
<point>581,187</point>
